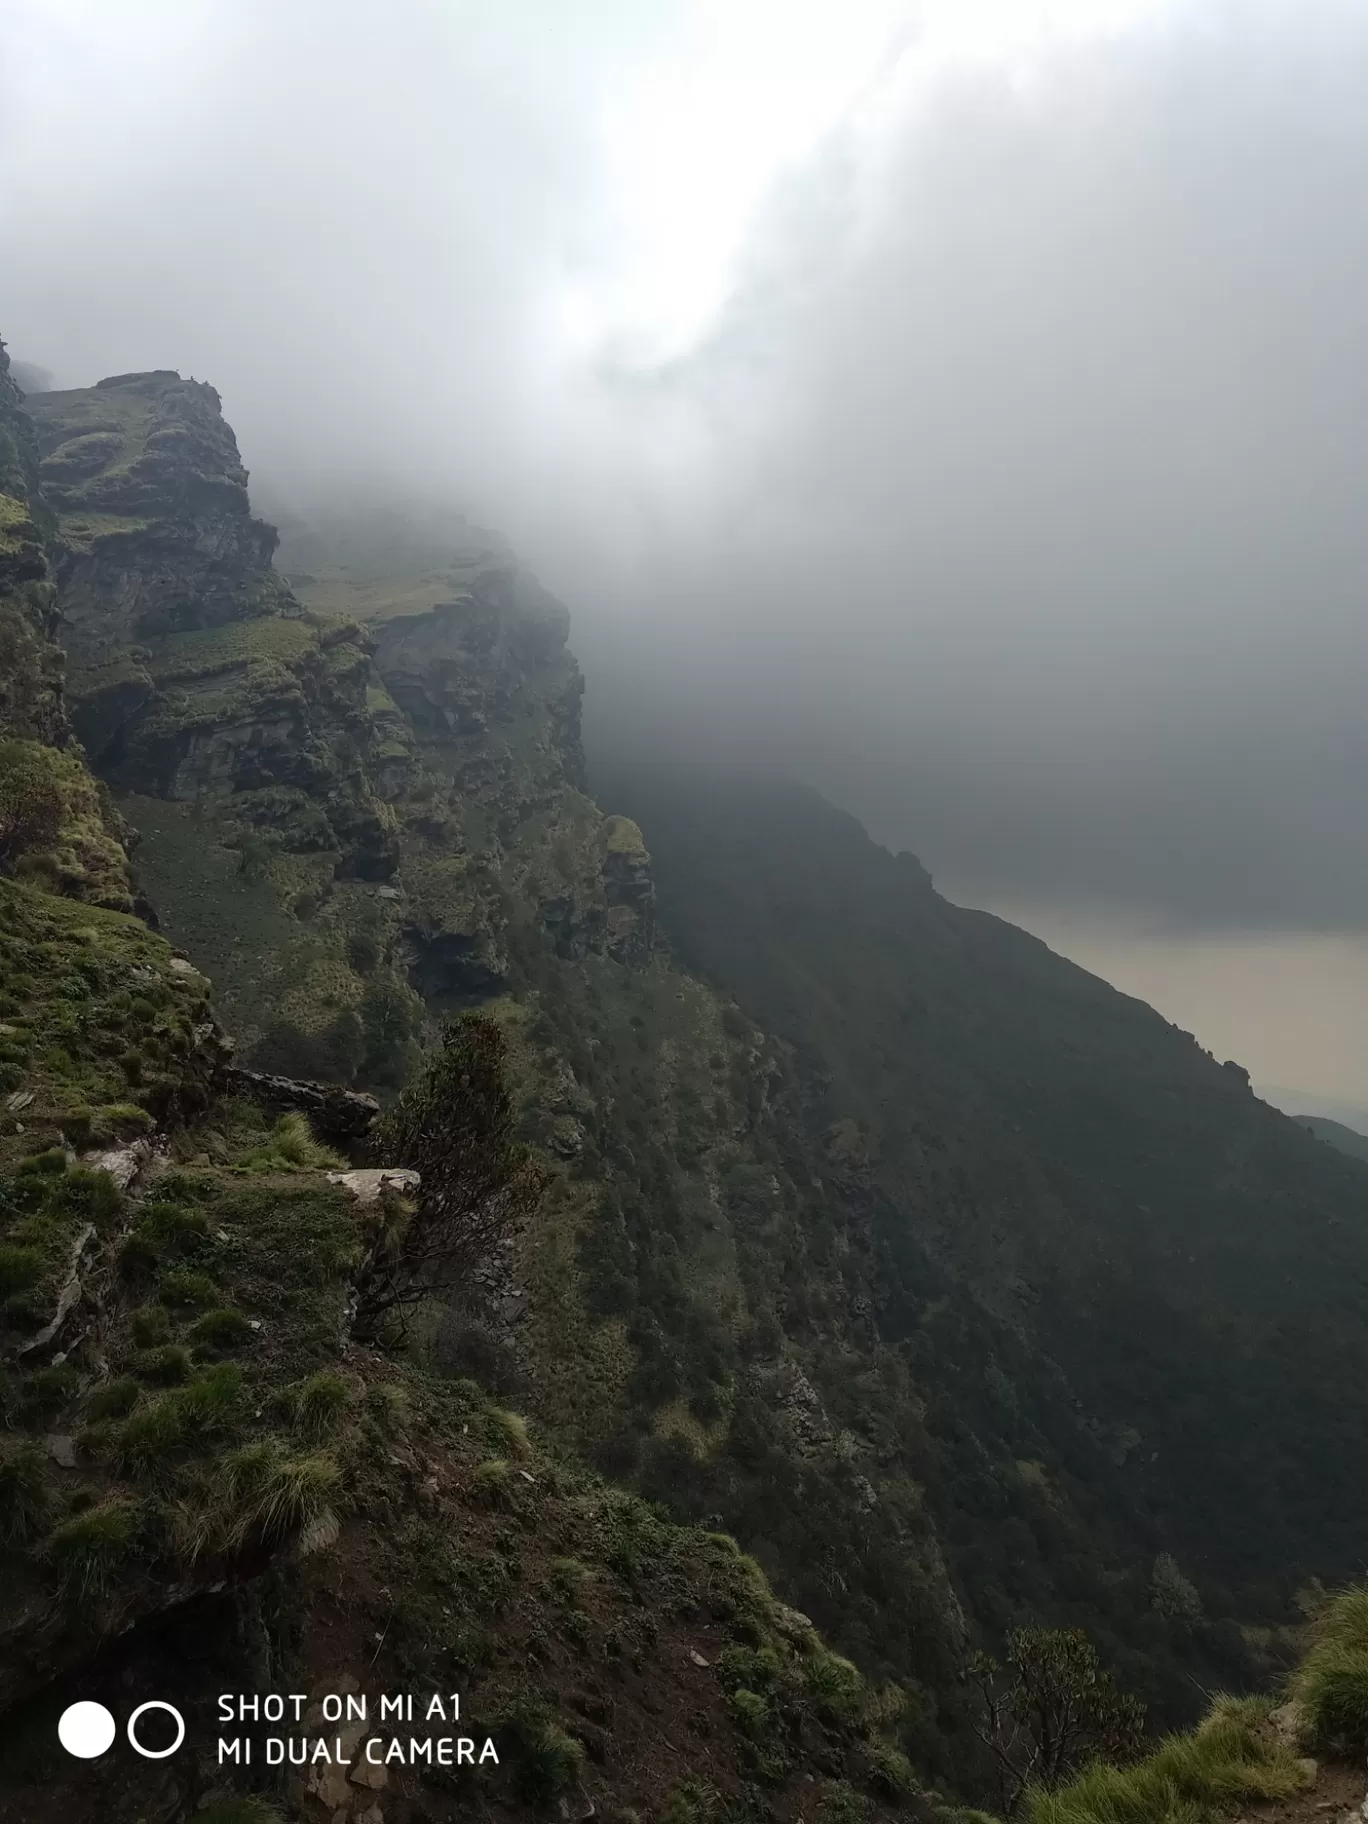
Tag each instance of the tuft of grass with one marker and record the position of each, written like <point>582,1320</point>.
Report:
<point>1229,1760</point>
<point>90,1549</point>
<point>314,1406</point>
<point>890,1771</point>
<point>50,1164</point>
<point>24,1497</point>
<point>182,1288</point>
<point>115,1400</point>
<point>223,1328</point>
<point>263,1494</point>
<point>168,1365</point>
<point>691,1802</point>
<point>122,1120</point>
<point>44,1393</point>
<point>20,1268</point>
<point>567,1577</point>
<point>835,1684</point>
<point>151,1442</point>
<point>86,1196</point>
<point>292,1138</point>
<point>493,1481</point>
<point>171,1228</point>
<point>546,1761</point>
<point>509,1432</point>
<point>151,1325</point>
<point>1331,1684</point>
<point>750,1712</point>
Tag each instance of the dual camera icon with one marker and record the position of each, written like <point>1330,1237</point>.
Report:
<point>87,1730</point>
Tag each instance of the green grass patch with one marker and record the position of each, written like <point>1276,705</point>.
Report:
<point>91,1549</point>
<point>1331,1683</point>
<point>24,1496</point>
<point>1231,1759</point>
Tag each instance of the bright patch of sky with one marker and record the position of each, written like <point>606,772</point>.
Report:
<point>739,91</point>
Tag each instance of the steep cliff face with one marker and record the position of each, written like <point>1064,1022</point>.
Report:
<point>56,825</point>
<point>205,1484</point>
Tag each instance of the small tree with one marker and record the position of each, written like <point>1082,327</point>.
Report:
<point>1173,1595</point>
<point>1050,1709</point>
<point>455,1127</point>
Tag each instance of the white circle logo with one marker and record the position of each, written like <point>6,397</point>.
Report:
<point>85,1730</point>
<point>155,1703</point>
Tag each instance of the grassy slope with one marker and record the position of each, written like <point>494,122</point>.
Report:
<point>217,1426</point>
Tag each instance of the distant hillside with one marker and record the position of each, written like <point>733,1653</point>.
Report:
<point>1190,1261</point>
<point>1335,1133</point>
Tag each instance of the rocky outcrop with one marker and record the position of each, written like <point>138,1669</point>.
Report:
<point>156,533</point>
<point>195,673</point>
<point>338,1116</point>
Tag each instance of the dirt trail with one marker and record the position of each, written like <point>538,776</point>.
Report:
<point>1339,1796</point>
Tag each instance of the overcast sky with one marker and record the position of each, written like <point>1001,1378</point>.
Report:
<point>963,404</point>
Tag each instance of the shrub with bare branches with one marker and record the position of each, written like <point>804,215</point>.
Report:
<point>455,1127</point>
<point>1049,1710</point>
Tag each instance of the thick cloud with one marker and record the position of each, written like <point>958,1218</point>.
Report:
<point>1011,489</point>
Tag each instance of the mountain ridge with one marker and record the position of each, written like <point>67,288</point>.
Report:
<point>866,1218</point>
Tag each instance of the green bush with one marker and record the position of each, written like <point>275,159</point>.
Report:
<point>841,1804</point>
<point>754,1668</point>
<point>388,1404</point>
<point>749,1711</point>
